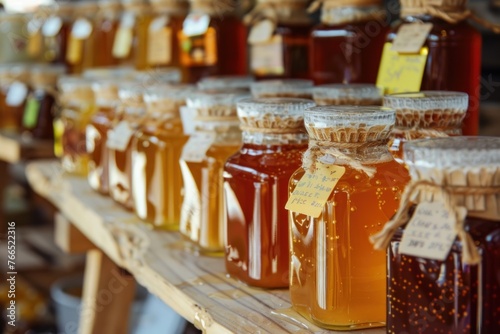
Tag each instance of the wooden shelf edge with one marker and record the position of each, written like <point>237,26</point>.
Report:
<point>15,148</point>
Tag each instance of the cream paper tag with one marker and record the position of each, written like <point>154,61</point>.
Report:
<point>267,58</point>
<point>411,37</point>
<point>313,189</point>
<point>119,137</point>
<point>17,94</point>
<point>52,26</point>
<point>159,42</point>
<point>82,29</point>
<point>188,115</point>
<point>261,32</point>
<point>195,24</point>
<point>197,146</point>
<point>124,36</point>
<point>430,233</point>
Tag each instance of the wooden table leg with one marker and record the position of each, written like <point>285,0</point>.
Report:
<point>107,296</point>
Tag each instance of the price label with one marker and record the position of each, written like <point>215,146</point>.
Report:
<point>75,50</point>
<point>160,42</point>
<point>82,29</point>
<point>197,146</point>
<point>261,32</point>
<point>52,26</point>
<point>313,189</point>
<point>120,136</point>
<point>430,233</point>
<point>30,116</point>
<point>400,73</point>
<point>16,95</point>
<point>195,24</point>
<point>188,115</point>
<point>124,37</point>
<point>267,57</point>
<point>411,37</point>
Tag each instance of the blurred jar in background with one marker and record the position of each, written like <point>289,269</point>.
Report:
<point>56,30</point>
<point>33,29</point>
<point>106,26</point>
<point>352,94</point>
<point>297,88</point>
<point>220,82</point>
<point>13,38</point>
<point>14,90</point>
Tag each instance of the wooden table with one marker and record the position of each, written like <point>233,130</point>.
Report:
<point>196,287</point>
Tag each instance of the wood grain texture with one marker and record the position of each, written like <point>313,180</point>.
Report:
<point>196,287</point>
<point>14,148</point>
<point>68,238</point>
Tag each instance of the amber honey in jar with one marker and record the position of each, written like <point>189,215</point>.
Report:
<point>221,82</point>
<point>156,150</point>
<point>106,25</point>
<point>295,88</point>
<point>77,107</point>
<point>14,90</point>
<point>443,245</point>
<point>256,189</point>
<point>81,48</point>
<point>348,187</point>
<point>129,119</point>
<point>347,94</point>
<point>427,114</point>
<point>279,39</point>
<point>217,136</point>
<point>41,103</point>
<point>212,40</point>
<point>56,30</point>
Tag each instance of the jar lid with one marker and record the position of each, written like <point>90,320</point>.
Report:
<point>160,93</point>
<point>44,74</point>
<point>116,72</point>
<point>351,94</point>
<point>85,7</point>
<point>350,124</point>
<point>453,152</point>
<point>428,109</point>
<point>158,76</point>
<point>75,89</point>
<point>216,103</point>
<point>273,113</point>
<point>282,88</point>
<point>226,81</point>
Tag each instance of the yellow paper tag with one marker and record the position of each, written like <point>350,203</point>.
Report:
<point>75,50</point>
<point>313,189</point>
<point>266,58</point>
<point>400,73</point>
<point>411,37</point>
<point>123,42</point>
<point>160,46</point>
<point>35,43</point>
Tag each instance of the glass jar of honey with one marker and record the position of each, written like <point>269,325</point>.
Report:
<point>352,94</point>
<point>427,114</point>
<point>346,46</point>
<point>349,186</point>
<point>443,243</point>
<point>81,48</point>
<point>34,25</point>
<point>106,100</point>
<point>217,136</point>
<point>128,120</point>
<point>279,39</point>
<point>42,101</point>
<point>14,90</point>
<point>56,30</point>
<point>295,88</point>
<point>256,189</point>
<point>106,25</point>
<point>156,150</point>
<point>212,40</point>
<point>77,106</point>
<point>130,46</point>
<point>220,82</point>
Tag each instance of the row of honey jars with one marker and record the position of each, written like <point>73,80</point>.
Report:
<point>443,245</point>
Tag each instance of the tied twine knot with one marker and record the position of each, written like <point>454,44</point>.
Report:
<point>319,149</point>
<point>470,254</point>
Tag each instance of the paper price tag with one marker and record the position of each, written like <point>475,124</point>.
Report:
<point>188,115</point>
<point>82,29</point>
<point>411,37</point>
<point>197,146</point>
<point>267,57</point>
<point>127,20</point>
<point>16,94</point>
<point>195,24</point>
<point>261,32</point>
<point>430,233</point>
<point>122,43</point>
<point>30,116</point>
<point>119,137</point>
<point>158,23</point>
<point>160,46</point>
<point>313,189</point>
<point>52,26</point>
<point>400,73</point>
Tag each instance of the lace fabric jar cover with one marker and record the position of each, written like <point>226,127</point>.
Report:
<point>296,88</point>
<point>352,94</point>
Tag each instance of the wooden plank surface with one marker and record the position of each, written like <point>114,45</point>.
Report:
<point>196,287</point>
<point>14,148</point>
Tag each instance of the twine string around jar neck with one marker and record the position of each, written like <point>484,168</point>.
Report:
<point>451,11</point>
<point>277,131</point>
<point>470,254</point>
<point>416,132</point>
<point>276,11</point>
<point>337,150</point>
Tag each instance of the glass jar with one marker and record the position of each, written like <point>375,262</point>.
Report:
<point>131,40</point>
<point>108,18</point>
<point>158,76</point>
<point>256,189</point>
<point>295,88</point>
<point>217,136</point>
<point>427,114</point>
<point>104,119</point>
<point>14,90</point>
<point>337,280</point>
<point>220,82</point>
<point>128,121</point>
<point>77,106</point>
<point>13,46</point>
<point>56,30</point>
<point>33,29</point>
<point>346,47</point>
<point>212,40</point>
<point>445,70</point>
<point>450,283</point>
<point>41,103</point>
<point>279,39</point>
<point>352,94</point>
<point>80,49</point>
<point>156,150</point>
